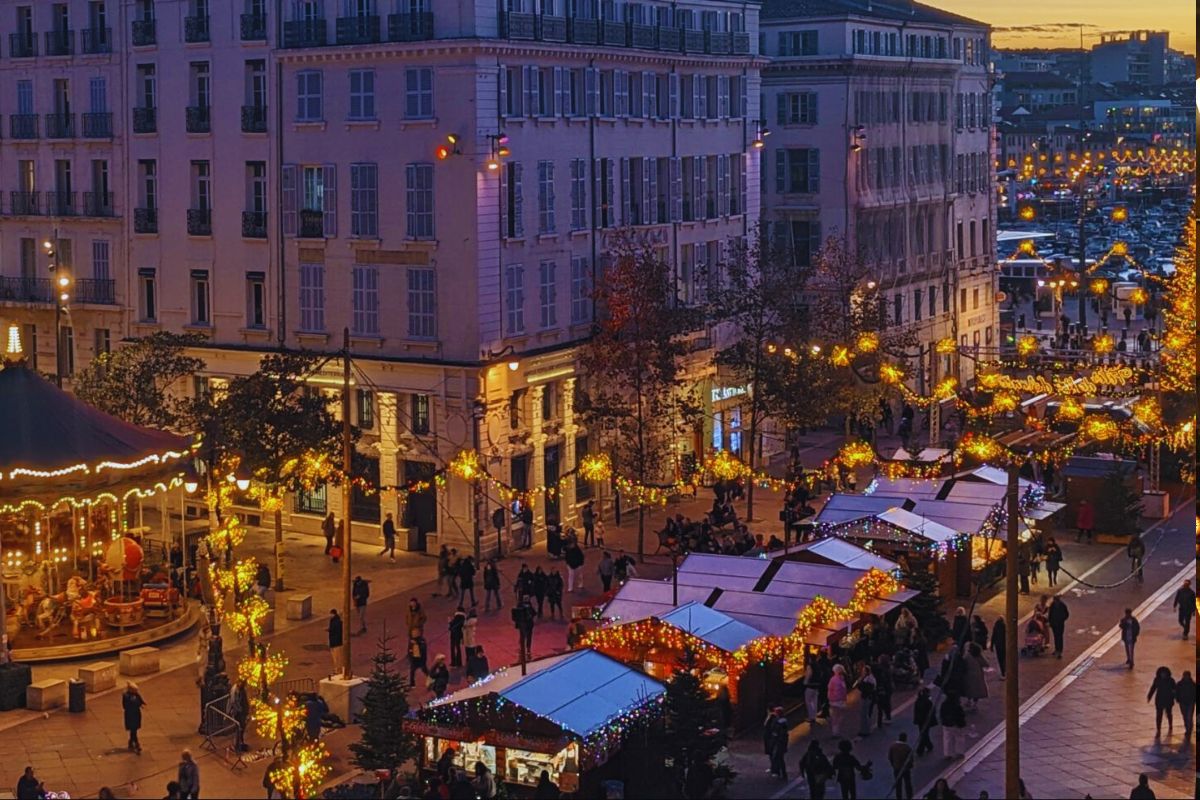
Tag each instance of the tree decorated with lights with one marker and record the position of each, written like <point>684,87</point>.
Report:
<point>384,744</point>
<point>1178,355</point>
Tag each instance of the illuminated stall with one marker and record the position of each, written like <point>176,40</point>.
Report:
<point>568,715</point>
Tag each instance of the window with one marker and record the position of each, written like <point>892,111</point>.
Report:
<point>578,194</point>
<point>545,196</point>
<point>308,96</point>
<point>364,200</point>
<point>975,299</point>
<point>917,307</point>
<point>422,320</point>
<point>945,297</point>
<point>256,300</point>
<point>547,295</point>
<point>419,196</point>
<point>102,341</point>
<point>806,241</point>
<point>100,259</point>
<point>148,172</point>
<point>972,239</point>
<point>200,298</point>
<point>897,309</point>
<point>366,408</point>
<point>605,190</point>
<point>514,299</point>
<point>581,306</point>
<point>67,342</point>
<point>362,94</point>
<point>962,300</point>
<point>311,501</point>
<point>932,301</point>
<point>201,84</point>
<point>797,108</point>
<point>511,91</point>
<point>365,300</point>
<point>420,414</point>
<point>98,95</point>
<point>511,203</point>
<point>147,295</point>
<point>201,185</point>
<point>798,43</point>
<point>575,103</point>
<point>25,95</point>
<point>797,170</point>
<point>312,297</point>
<point>418,93</point>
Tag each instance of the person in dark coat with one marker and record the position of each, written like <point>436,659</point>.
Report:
<point>960,627</point>
<point>466,581</point>
<point>979,632</point>
<point>360,591</point>
<point>539,584</point>
<point>477,664</point>
<point>439,674</point>
<point>418,652</point>
<point>1054,557</point>
<point>1130,630</point>
<point>329,529</point>
<point>28,786</point>
<point>1142,791</point>
<point>1185,604</point>
<point>779,745</point>
<point>924,718</point>
<point>334,636</point>
<point>522,617</point>
<point>546,789</point>
<point>491,585</point>
<point>1185,695</point>
<point>816,769</point>
<point>1057,617</point>
<point>188,777</point>
<point>132,703</point>
<point>1162,692</point>
<point>999,644</point>
<point>846,768</point>
<point>389,537</point>
<point>457,623</point>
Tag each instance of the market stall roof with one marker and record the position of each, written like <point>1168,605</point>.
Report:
<point>921,526</point>
<point>847,507</point>
<point>993,475</point>
<point>1044,509</point>
<point>835,550</point>
<point>714,627</point>
<point>927,455</point>
<point>1095,467</point>
<point>948,489</point>
<point>580,692</point>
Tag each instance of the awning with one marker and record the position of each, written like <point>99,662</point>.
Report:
<point>1044,510</point>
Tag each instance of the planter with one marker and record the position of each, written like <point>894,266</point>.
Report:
<point>1156,505</point>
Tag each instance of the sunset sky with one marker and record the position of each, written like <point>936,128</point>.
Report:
<point>1058,20</point>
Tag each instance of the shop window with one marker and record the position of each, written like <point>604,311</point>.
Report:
<point>420,414</point>
<point>311,502</point>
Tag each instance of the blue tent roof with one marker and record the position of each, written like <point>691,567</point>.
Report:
<point>719,630</point>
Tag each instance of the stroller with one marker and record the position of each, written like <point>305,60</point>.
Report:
<point>904,669</point>
<point>1035,638</point>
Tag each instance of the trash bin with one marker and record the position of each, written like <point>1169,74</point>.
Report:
<point>76,696</point>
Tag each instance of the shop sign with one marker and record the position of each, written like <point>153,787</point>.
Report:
<point>725,392</point>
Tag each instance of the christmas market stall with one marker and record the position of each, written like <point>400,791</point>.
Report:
<point>78,574</point>
<point>569,715</point>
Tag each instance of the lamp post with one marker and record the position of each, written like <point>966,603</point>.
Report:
<point>347,501</point>
<point>60,287</point>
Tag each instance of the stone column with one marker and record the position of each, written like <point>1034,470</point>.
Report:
<point>569,430</point>
<point>389,448</point>
<point>537,438</point>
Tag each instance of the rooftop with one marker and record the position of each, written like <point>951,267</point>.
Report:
<point>900,10</point>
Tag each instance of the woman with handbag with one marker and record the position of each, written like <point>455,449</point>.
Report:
<point>847,768</point>
<point>816,769</point>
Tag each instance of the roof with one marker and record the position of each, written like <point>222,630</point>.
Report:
<point>927,455</point>
<point>1092,467</point>
<point>993,475</point>
<point>1036,80</point>
<point>922,526</point>
<point>847,507</point>
<point>579,692</point>
<point>714,627</point>
<point>888,9</point>
<point>836,550</point>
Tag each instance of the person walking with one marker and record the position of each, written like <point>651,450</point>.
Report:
<point>974,682</point>
<point>1130,630</point>
<point>188,777</point>
<point>1057,617</point>
<point>439,676</point>
<point>924,718</point>
<point>452,562</point>
<point>539,584</point>
<point>491,585</point>
<point>866,685</point>
<point>1085,521</point>
<point>847,768</point>
<point>389,536</point>
<point>484,783</point>
<point>477,664</point>
<point>1185,604</point>
<point>1136,550</point>
<point>360,591</point>
<point>339,542</point>
<point>589,523</point>
<point>1185,695</point>
<point>960,626</point>
<point>999,644</point>
<point>900,756</point>
<point>812,695</point>
<point>443,570</point>
<point>458,622</point>
<point>334,635</point>
<point>573,556</point>
<point>466,581</point>
<point>239,710</point>
<point>262,580</point>
<point>418,652</point>
<point>816,769</point>
<point>522,617</point>
<point>1054,556</point>
<point>415,617</point>
<point>132,703</point>
<point>882,672</point>
<point>606,570</point>
<point>329,530</point>
<point>554,592</point>
<point>1162,692</point>
<point>470,633</point>
<point>1142,791</point>
<point>779,744</point>
<point>954,722</point>
<point>979,632</point>
<point>837,692</point>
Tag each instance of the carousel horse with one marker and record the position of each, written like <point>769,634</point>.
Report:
<point>85,616</point>
<point>76,586</point>
<point>52,610</point>
<point>31,596</point>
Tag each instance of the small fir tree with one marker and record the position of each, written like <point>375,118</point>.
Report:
<point>1118,507</point>
<point>691,738</point>
<point>926,606</point>
<point>384,745</point>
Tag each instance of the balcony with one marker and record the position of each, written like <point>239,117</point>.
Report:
<point>670,39</point>
<point>519,26</point>
<point>305,33</point>
<point>22,45</point>
<point>94,291</point>
<point>60,43</point>
<point>741,44</point>
<point>359,29</point>
<point>583,31</point>
<point>145,220</point>
<point>551,28</point>
<point>97,125</point>
<point>25,204</point>
<point>97,40</point>
<point>644,36</point>
<point>98,204</point>
<point>144,33</point>
<point>199,222</point>
<point>312,224</point>
<point>61,204</point>
<point>254,27</point>
<point>254,224</point>
<point>145,120</point>
<point>195,29</point>
<point>23,126</point>
<point>60,126</point>
<point>693,41</point>
<point>614,33</point>
<point>254,119</point>
<point>718,43</point>
<point>199,119</point>
<point>410,27</point>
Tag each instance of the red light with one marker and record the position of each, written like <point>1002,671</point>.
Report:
<point>443,152</point>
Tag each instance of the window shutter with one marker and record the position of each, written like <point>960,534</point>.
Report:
<point>503,78</point>
<point>649,84</point>
<point>560,104</point>
<point>651,202</point>
<point>781,116</point>
<point>330,205</point>
<point>592,79</point>
<point>625,194</point>
<point>723,96</point>
<point>676,189</point>
<point>699,97</point>
<point>610,184</point>
<point>673,85</point>
<point>814,238</point>
<point>529,88</point>
<point>701,183</point>
<point>505,211</point>
<point>287,179</point>
<point>780,171</point>
<point>742,165</point>
<point>518,206</point>
<point>744,99</point>
<point>723,185</point>
<point>647,205</point>
<point>598,191</point>
<point>814,170</point>
<point>812,108</point>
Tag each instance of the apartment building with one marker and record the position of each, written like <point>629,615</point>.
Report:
<point>880,123</point>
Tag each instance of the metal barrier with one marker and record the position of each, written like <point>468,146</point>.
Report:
<point>297,685</point>
<point>217,722</point>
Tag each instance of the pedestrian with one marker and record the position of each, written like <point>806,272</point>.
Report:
<point>329,529</point>
<point>458,622</point>
<point>546,789</point>
<point>816,769</point>
<point>778,743</point>
<point>339,540</point>
<point>477,664</point>
<point>27,786</point>
<point>389,536</point>
<point>262,580</point>
<point>452,571</point>
<point>573,556</point>
<point>132,703</point>
<point>1023,569</point>
<point>884,687</point>
<point>418,651</point>
<point>315,709</point>
<point>1136,551</point>
<point>822,672</point>
<point>1130,629</point>
<point>239,710</point>
<point>866,686</point>
<point>924,717</point>
<point>906,627</point>
<point>522,617</point>
<point>589,523</point>
<point>439,676</point>
<point>174,791</point>
<point>188,777</point>
<point>954,721</point>
<point>415,618</point>
<point>836,691</point>
<point>466,580</point>
<point>1127,312</point>
<point>999,644</point>
<point>812,694</point>
<point>1185,695</point>
<point>1185,604</point>
<point>1053,560</point>
<point>606,570</point>
<point>538,585</point>
<point>974,680</point>
<point>979,632</point>
<point>960,627</point>
<point>941,791</point>
<point>1142,791</point>
<point>334,635</point>
<point>847,768</point>
<point>484,783</point>
<point>470,632</point>
<point>1085,520</point>
<point>1162,691</point>
<point>267,783</point>
<point>1057,616</point>
<point>900,756</point>
<point>599,531</point>
<point>554,592</point>
<point>360,591</point>
<point>443,570</point>
<point>491,585</point>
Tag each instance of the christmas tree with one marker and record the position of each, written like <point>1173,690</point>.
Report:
<point>384,745</point>
<point>1118,507</point>
<point>690,739</point>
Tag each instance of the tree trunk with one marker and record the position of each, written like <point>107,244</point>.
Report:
<point>641,533</point>
<point>279,549</point>
<point>753,448</point>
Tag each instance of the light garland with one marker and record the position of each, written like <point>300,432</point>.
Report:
<point>596,467</point>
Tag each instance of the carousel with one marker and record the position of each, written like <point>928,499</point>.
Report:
<point>79,571</point>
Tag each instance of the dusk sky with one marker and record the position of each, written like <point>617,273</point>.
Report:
<point>1055,23</point>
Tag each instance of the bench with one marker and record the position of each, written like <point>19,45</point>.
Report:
<point>45,695</point>
<point>139,661</point>
<point>98,676</point>
<point>299,606</point>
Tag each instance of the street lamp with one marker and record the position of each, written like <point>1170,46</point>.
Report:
<point>62,284</point>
